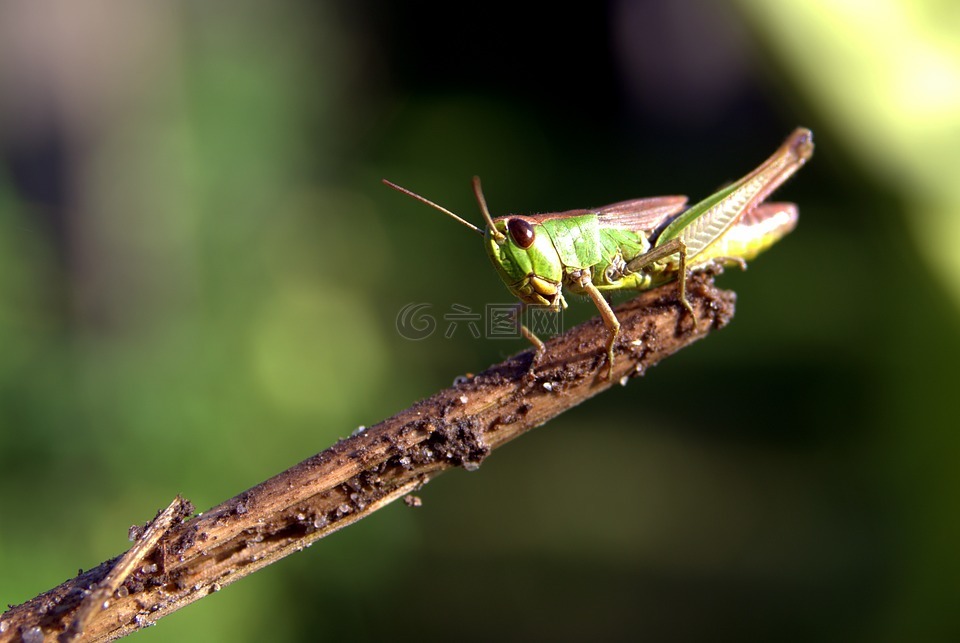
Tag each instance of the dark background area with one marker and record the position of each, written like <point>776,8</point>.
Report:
<point>200,276</point>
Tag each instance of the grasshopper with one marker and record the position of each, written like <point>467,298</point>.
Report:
<point>637,244</point>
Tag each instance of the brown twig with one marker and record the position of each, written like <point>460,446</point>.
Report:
<point>100,598</point>
<point>457,427</point>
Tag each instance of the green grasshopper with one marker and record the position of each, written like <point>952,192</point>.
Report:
<point>637,244</point>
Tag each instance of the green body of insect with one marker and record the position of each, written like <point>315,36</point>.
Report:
<point>638,244</point>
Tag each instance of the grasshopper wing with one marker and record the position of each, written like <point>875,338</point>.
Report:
<point>637,214</point>
<point>641,214</point>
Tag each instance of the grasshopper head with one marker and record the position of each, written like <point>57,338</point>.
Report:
<point>520,249</point>
<point>526,260</point>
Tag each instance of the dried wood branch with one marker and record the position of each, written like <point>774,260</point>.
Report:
<point>457,427</point>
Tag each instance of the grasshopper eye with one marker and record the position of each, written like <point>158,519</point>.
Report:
<point>521,232</point>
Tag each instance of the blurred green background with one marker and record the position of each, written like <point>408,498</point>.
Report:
<point>200,275</point>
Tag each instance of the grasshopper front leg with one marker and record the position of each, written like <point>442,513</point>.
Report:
<point>529,335</point>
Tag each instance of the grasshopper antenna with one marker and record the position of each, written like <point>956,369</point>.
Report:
<point>478,191</point>
<point>438,207</point>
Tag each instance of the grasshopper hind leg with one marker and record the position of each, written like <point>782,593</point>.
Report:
<point>675,246</point>
<point>682,281</point>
